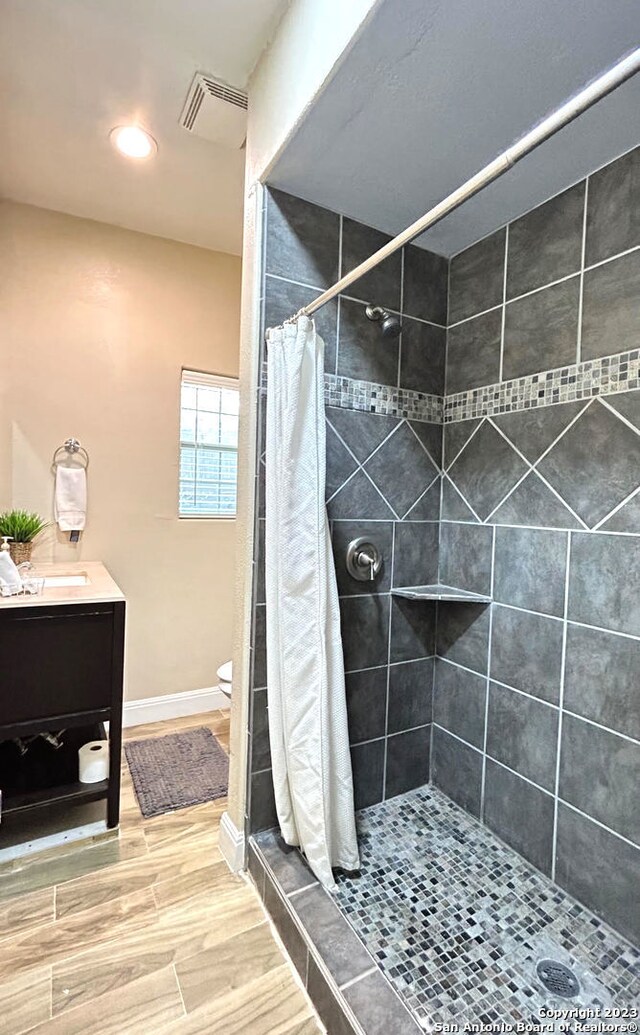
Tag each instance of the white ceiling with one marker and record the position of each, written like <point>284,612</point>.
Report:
<point>70,70</point>
<point>434,89</point>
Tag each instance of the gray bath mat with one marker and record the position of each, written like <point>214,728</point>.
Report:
<point>176,771</point>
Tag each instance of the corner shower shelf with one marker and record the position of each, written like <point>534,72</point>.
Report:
<point>436,591</point>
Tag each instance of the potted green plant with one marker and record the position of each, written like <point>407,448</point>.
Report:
<point>22,527</point>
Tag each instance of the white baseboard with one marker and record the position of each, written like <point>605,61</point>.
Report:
<point>231,843</point>
<point>173,706</point>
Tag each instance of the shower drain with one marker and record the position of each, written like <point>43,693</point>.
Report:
<point>557,978</point>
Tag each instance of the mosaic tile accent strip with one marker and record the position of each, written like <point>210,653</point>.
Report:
<point>383,399</point>
<point>606,376</point>
<point>619,373</point>
<point>458,922</point>
<point>375,398</point>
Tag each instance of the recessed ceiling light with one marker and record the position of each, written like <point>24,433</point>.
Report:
<point>133,141</point>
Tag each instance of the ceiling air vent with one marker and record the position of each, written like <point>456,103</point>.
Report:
<point>216,111</point>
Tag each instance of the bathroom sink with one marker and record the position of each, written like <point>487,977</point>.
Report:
<point>62,581</point>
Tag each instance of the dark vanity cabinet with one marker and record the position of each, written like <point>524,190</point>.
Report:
<point>61,669</point>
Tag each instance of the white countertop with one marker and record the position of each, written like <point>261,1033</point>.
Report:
<point>99,588</point>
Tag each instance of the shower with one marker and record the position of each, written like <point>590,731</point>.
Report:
<point>489,731</point>
<point>390,325</point>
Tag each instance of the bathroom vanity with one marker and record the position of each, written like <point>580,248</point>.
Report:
<point>61,668</point>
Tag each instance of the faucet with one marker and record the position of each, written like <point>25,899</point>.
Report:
<point>364,560</point>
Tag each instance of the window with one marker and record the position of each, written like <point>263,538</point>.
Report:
<point>208,445</point>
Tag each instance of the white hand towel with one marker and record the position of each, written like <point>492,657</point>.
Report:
<point>70,504</point>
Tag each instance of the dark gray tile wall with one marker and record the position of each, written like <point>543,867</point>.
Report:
<point>486,470</point>
<point>457,769</point>
<point>537,702</point>
<point>593,467</point>
<point>540,330</point>
<point>522,733</point>
<point>303,241</point>
<point>383,481</point>
<point>476,278</point>
<point>599,868</point>
<point>533,723</point>
<point>611,311</point>
<point>526,651</point>
<point>382,286</point>
<point>520,813</point>
<point>546,243</point>
<point>613,218</point>
<point>388,643</point>
<point>459,702</point>
<point>558,286</point>
<point>473,352</point>
<point>536,705</point>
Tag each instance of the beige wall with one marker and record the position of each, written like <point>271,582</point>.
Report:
<point>95,325</point>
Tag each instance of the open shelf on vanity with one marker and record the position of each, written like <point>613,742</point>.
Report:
<point>44,798</point>
<point>436,591</point>
<point>45,776</point>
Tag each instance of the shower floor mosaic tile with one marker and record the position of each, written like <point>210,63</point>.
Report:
<point>458,922</point>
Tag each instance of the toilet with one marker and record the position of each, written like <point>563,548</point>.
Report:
<point>225,677</point>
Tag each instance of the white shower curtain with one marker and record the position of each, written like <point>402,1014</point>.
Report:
<point>305,672</point>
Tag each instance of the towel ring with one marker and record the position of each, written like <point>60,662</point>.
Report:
<point>72,447</point>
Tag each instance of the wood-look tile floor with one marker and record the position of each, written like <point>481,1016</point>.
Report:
<point>147,933</point>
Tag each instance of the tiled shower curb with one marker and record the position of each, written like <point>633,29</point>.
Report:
<point>323,946</point>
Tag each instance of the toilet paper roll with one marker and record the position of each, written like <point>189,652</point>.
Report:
<point>94,761</point>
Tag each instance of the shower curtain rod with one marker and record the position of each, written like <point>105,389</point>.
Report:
<point>567,112</point>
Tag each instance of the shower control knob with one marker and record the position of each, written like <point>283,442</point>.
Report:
<point>364,560</point>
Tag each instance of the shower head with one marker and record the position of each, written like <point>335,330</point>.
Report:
<point>389,323</point>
